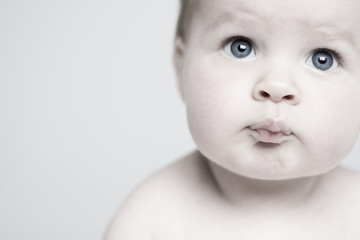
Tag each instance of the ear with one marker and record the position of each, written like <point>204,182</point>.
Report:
<point>178,60</point>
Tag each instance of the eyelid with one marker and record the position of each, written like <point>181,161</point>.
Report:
<point>232,38</point>
<point>337,56</point>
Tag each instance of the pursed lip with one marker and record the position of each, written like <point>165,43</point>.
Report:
<point>270,131</point>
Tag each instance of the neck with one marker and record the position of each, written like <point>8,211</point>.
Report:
<point>250,193</point>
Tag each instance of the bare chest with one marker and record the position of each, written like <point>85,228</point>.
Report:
<point>215,225</point>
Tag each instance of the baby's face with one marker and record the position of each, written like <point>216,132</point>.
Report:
<point>272,87</point>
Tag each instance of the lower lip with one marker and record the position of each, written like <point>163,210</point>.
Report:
<point>266,136</point>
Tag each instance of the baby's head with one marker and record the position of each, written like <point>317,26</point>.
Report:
<point>271,87</point>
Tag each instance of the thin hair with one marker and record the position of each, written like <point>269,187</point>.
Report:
<point>187,8</point>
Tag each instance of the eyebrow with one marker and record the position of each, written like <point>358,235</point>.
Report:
<point>335,32</point>
<point>229,18</point>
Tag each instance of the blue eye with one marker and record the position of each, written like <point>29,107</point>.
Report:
<point>239,48</point>
<point>323,60</point>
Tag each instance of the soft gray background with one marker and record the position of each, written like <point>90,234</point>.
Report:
<point>89,108</point>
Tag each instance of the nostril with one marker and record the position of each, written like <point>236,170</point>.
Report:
<point>289,97</point>
<point>276,95</point>
<point>264,94</point>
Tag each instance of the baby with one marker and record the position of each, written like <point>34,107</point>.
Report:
<point>272,92</point>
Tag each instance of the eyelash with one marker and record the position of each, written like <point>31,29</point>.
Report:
<point>335,53</point>
<point>232,38</point>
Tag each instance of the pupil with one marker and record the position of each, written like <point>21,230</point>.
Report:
<point>242,48</point>
<point>322,60</point>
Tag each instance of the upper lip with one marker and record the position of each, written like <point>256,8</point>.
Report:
<point>272,125</point>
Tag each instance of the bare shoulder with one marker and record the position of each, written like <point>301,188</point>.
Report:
<point>160,198</point>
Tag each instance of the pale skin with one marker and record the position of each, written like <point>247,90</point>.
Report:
<point>271,127</point>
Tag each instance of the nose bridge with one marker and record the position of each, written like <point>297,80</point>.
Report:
<point>277,83</point>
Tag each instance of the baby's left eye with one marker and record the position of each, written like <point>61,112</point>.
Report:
<point>323,60</point>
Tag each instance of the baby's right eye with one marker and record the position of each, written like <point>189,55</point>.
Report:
<point>239,48</point>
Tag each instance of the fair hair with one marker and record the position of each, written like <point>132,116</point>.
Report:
<point>187,9</point>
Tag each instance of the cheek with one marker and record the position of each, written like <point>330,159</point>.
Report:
<point>206,108</point>
<point>332,123</point>
<point>215,101</point>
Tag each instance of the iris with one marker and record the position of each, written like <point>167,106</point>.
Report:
<point>241,48</point>
<point>322,60</point>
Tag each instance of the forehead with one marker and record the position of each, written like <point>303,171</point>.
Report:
<point>272,8</point>
<point>332,16</point>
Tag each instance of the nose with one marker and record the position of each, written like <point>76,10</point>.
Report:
<point>276,89</point>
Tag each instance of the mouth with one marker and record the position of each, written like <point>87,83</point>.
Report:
<point>270,131</point>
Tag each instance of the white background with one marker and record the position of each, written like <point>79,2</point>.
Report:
<point>88,108</point>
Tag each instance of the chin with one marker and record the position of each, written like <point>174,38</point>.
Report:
<point>277,170</point>
<point>271,175</point>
